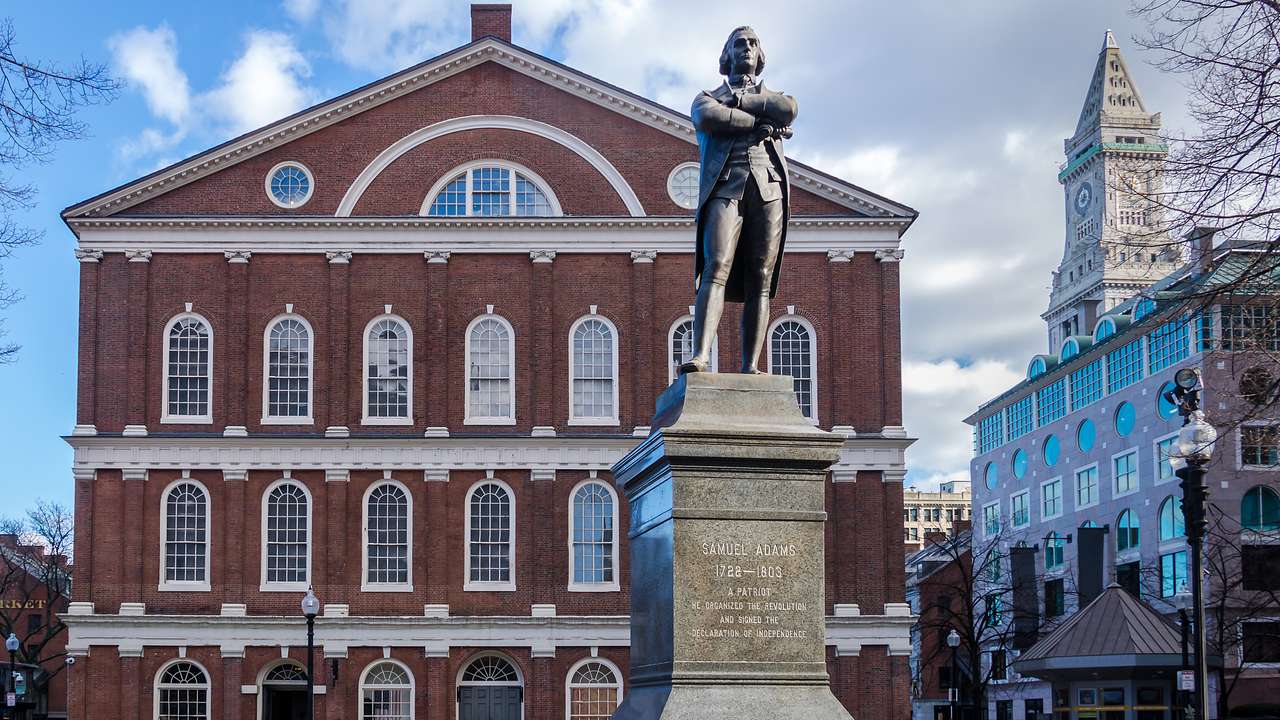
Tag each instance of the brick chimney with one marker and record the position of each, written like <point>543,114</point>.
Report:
<point>491,20</point>
<point>1200,241</point>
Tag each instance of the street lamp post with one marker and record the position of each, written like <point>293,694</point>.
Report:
<point>311,608</point>
<point>11,644</point>
<point>1194,451</point>
<point>953,692</point>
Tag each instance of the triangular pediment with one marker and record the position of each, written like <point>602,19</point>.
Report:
<point>1112,91</point>
<point>485,50</point>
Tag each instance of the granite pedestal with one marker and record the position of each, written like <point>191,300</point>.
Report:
<point>727,571</point>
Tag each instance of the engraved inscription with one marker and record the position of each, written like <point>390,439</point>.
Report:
<point>753,592</point>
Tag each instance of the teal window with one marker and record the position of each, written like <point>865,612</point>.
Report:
<point>1070,349</point>
<point>992,476</point>
<point>1019,416</point>
<point>1051,401</point>
<point>1164,448</point>
<point>1127,537</point>
<point>1260,509</point>
<point>1126,416</point>
<point>1087,487</point>
<point>1172,524</point>
<point>1124,366</point>
<point>1020,509</point>
<point>1053,546</point>
<point>1051,499</point>
<point>1164,407</point>
<point>1126,473</point>
<point>991,519</point>
<point>1167,345</point>
<point>1173,573</point>
<point>1086,384</point>
<point>1106,328</point>
<point>1085,435</point>
<point>995,610</point>
<point>1145,307</point>
<point>1052,450</point>
<point>990,433</point>
<point>1204,332</point>
<point>1020,463</point>
<point>1037,368</point>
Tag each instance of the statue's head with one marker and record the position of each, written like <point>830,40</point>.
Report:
<point>742,47</point>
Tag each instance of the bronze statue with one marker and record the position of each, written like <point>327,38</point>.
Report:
<point>743,198</point>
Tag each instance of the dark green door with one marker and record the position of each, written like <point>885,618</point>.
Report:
<point>489,702</point>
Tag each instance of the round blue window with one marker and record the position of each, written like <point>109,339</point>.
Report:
<point>1052,449</point>
<point>1166,409</point>
<point>289,185</point>
<point>1125,418</point>
<point>1085,435</point>
<point>993,476</point>
<point>1019,463</point>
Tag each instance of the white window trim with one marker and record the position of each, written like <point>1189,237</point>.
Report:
<point>996,505</point>
<point>365,585</point>
<point>1155,459</point>
<point>528,174</point>
<point>208,687</point>
<point>262,677</point>
<point>179,585</point>
<point>614,585</point>
<point>613,333</point>
<point>1013,522</point>
<point>364,373</point>
<point>1137,472</point>
<point>1240,640</point>
<point>364,674</point>
<point>1075,483</point>
<point>671,176</point>
<point>672,372</point>
<point>1132,551</point>
<point>267,418</point>
<point>302,586</point>
<point>469,585</point>
<point>1061,499</point>
<point>1239,459</point>
<point>311,185</point>
<point>568,681</point>
<point>165,417</point>
<point>1164,546</point>
<point>468,419</point>
<point>458,681</point>
<point>813,356</point>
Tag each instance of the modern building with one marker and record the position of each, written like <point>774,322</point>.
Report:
<point>1083,443</point>
<point>389,348</point>
<point>925,512</point>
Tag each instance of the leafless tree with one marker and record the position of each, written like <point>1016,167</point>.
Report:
<point>38,104</point>
<point>35,581</point>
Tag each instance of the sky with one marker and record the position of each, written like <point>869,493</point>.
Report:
<point>956,109</point>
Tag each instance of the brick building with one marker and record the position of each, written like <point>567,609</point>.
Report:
<point>389,347</point>
<point>34,587</point>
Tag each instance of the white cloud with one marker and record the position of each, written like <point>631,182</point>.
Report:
<point>301,10</point>
<point>264,84</point>
<point>937,396</point>
<point>149,59</point>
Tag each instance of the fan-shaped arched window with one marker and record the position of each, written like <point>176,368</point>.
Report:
<point>1127,537</point>
<point>594,691</point>
<point>1260,509</point>
<point>182,692</point>
<point>1172,523</point>
<point>491,670</point>
<point>792,352</point>
<point>287,399</point>
<point>593,545</point>
<point>388,377</point>
<point>593,372</point>
<point>186,536</point>
<point>387,540</point>
<point>188,370</point>
<point>286,536</point>
<point>491,394</point>
<point>680,346</point>
<point>492,189</point>
<point>490,537</point>
<point>386,692</point>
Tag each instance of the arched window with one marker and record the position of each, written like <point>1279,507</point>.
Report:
<point>593,543</point>
<point>1053,545</point>
<point>1127,538</point>
<point>680,348</point>
<point>1172,524</point>
<point>288,347</point>
<point>286,536</point>
<point>1260,509</point>
<point>182,692</point>
<point>593,372</point>
<point>286,677</point>
<point>388,376</point>
<point>594,690</point>
<point>792,352</point>
<point>188,370</point>
<point>491,359</point>
<point>186,536</point>
<point>490,537</point>
<point>387,543</point>
<point>491,189</point>
<point>386,692</point>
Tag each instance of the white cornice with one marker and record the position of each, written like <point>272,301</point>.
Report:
<point>431,71</point>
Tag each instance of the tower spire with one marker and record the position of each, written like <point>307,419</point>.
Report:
<point>1112,92</point>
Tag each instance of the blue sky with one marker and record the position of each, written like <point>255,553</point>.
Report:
<point>957,109</point>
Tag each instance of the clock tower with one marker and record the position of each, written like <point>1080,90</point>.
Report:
<point>1115,245</point>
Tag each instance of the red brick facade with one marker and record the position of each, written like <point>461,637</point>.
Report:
<point>158,254</point>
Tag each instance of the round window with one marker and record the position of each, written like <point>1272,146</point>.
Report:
<point>1052,449</point>
<point>1125,419</point>
<point>1020,463</point>
<point>1085,435</point>
<point>1166,408</point>
<point>682,185</point>
<point>289,185</point>
<point>993,476</point>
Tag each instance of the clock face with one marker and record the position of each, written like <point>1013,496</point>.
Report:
<point>1083,197</point>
